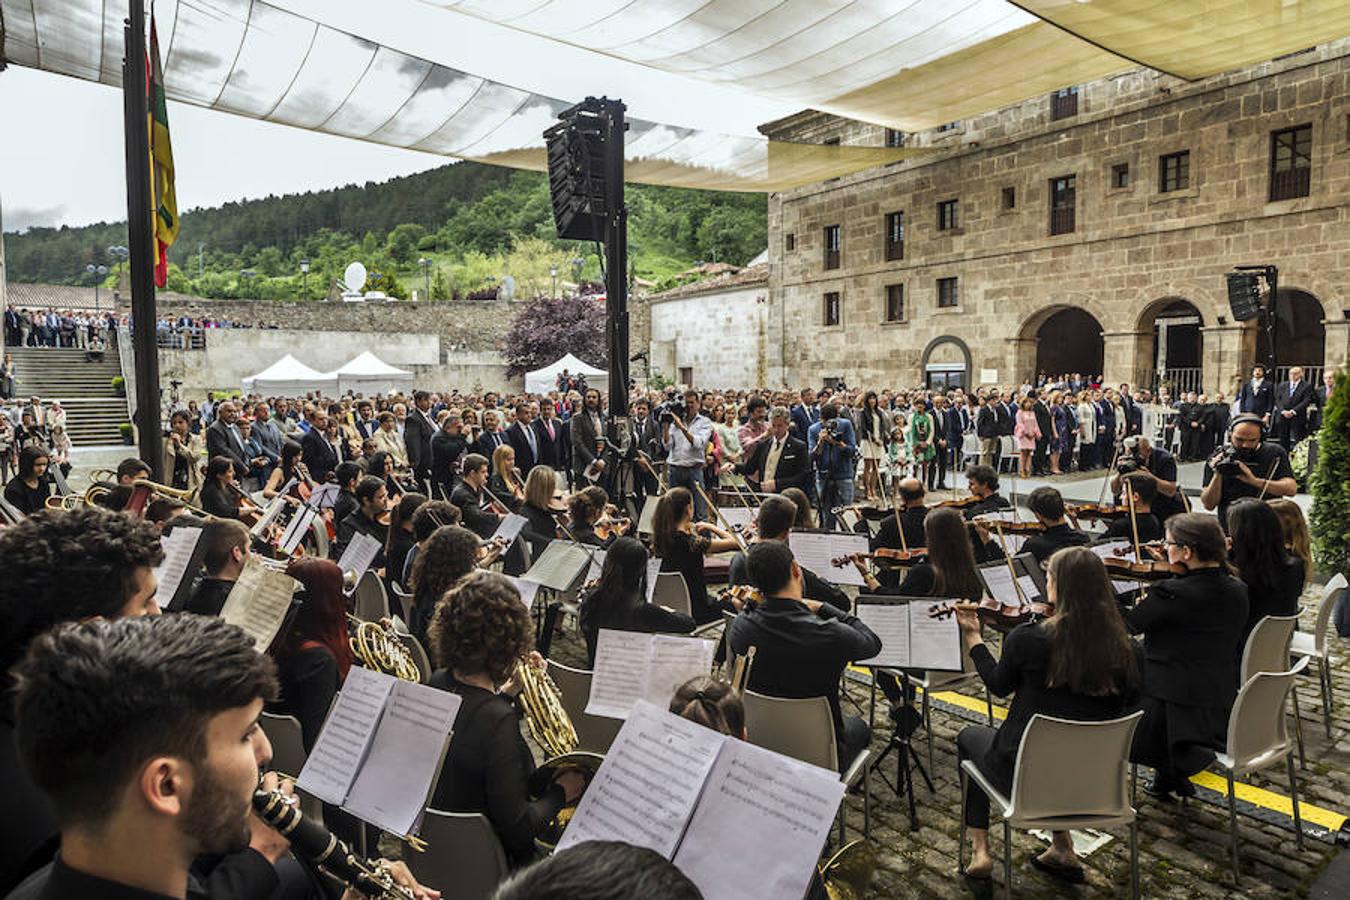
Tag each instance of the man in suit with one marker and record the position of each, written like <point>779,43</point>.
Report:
<point>778,460</point>
<point>943,417</point>
<point>647,439</point>
<point>1292,399</point>
<point>222,438</point>
<point>418,429</point>
<point>550,436</point>
<point>805,414</point>
<point>802,646</point>
<point>1258,395</point>
<point>523,439</point>
<point>492,436</point>
<point>366,425</point>
<point>468,496</point>
<point>1133,416</point>
<point>1320,398</point>
<point>1040,459</point>
<point>1106,429</point>
<point>586,426</point>
<point>987,430</point>
<point>318,451</point>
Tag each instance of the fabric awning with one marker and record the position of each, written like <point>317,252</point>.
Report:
<point>541,381</point>
<point>288,375</point>
<point>368,374</point>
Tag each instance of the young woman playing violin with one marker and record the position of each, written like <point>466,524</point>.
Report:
<point>592,519</point>
<point>506,484</point>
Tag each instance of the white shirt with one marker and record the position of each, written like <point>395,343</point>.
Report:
<point>771,461</point>
<point>681,452</point>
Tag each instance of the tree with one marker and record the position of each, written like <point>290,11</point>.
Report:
<point>1330,488</point>
<point>403,240</point>
<point>545,330</point>
<point>440,287</point>
<point>530,262</point>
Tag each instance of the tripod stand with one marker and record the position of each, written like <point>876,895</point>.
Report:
<point>906,759</point>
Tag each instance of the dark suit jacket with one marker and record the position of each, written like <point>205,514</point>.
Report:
<point>1320,397</point>
<point>488,442</point>
<point>1260,402</point>
<point>1289,397</point>
<point>417,434</point>
<point>794,464</point>
<point>647,438</point>
<point>519,441</point>
<point>583,440</point>
<point>478,520</point>
<point>219,442</point>
<point>318,455</point>
<point>802,420</point>
<point>1106,419</point>
<point>1042,413</point>
<point>1007,418</point>
<point>987,422</point>
<point>551,452</point>
<point>953,427</point>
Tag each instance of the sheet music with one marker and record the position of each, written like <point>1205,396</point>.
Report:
<point>528,589</point>
<point>1000,583</point>
<point>1000,515</point>
<point>653,570</point>
<point>645,790</point>
<point>675,660</point>
<point>752,793</point>
<point>558,566</point>
<point>597,565</point>
<point>739,515</point>
<point>332,765</point>
<point>272,510</point>
<point>179,547</point>
<point>621,661</point>
<point>510,527</point>
<point>1011,544</point>
<point>934,644</point>
<point>1107,551</point>
<point>325,495</point>
<point>394,783</point>
<point>296,529</point>
<point>359,553</point>
<point>814,551</point>
<point>258,602</point>
<point>644,525</point>
<point>890,621</point>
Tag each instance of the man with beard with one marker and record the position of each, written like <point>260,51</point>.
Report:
<point>1257,468</point>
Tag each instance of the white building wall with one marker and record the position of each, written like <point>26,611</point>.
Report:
<point>723,337</point>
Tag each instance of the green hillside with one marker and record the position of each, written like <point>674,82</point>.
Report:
<point>476,223</point>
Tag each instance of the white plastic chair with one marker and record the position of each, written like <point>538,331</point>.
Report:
<point>403,600</point>
<point>1258,738</point>
<point>1314,646</point>
<point>1067,775</point>
<point>671,591</point>
<point>369,602</point>
<point>803,728</point>
<point>594,733</point>
<point>1267,650</point>
<point>1007,449</point>
<point>466,857</point>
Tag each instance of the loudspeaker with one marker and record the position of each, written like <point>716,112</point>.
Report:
<point>1244,295</point>
<point>576,176</point>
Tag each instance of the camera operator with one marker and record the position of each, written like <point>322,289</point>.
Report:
<point>686,447</point>
<point>1247,466</point>
<point>834,448</point>
<point>1139,455</point>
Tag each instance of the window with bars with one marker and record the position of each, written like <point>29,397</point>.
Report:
<point>1120,175</point>
<point>790,242</point>
<point>830,315</point>
<point>950,126</point>
<point>947,212</point>
<point>832,246</point>
<point>1064,103</point>
<point>895,138</point>
<point>1063,194</point>
<point>1291,162</point>
<point>895,303</point>
<point>1010,198</point>
<point>895,235</point>
<point>1174,171</point>
<point>947,293</point>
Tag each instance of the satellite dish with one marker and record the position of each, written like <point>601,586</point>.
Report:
<point>355,277</point>
<point>508,287</point>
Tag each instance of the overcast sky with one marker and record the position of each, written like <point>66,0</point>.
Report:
<point>61,155</point>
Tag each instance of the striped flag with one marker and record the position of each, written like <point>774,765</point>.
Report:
<point>163,199</point>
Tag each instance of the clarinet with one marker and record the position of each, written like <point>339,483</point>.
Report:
<point>325,851</point>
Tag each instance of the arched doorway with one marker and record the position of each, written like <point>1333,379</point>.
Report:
<point>1300,336</point>
<point>1177,355</point>
<point>946,363</point>
<point>1068,340</point>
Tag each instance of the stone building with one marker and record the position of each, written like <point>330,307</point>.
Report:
<point>1089,231</point>
<point>715,331</point>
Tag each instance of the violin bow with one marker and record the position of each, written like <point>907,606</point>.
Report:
<point>1012,570</point>
<point>904,545</point>
<point>1134,522</point>
<point>736,535</point>
<point>1265,485</point>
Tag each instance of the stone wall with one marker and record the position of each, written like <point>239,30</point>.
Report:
<point>1134,250</point>
<point>721,335</point>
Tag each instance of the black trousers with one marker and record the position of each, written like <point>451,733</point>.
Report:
<point>937,472</point>
<point>854,740</point>
<point>1040,457</point>
<point>974,742</point>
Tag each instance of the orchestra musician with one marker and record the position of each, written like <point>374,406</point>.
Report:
<point>778,460</point>
<point>478,516</point>
<point>346,475</point>
<point>224,544</point>
<point>540,508</point>
<point>503,482</point>
<point>1192,626</point>
<point>773,522</point>
<point>1047,505</point>
<point>447,449</point>
<point>586,508</point>
<point>369,518</point>
<point>289,467</point>
<point>619,602</point>
<point>1274,576</point>
<point>31,485</point>
<point>450,553</point>
<point>429,516</point>
<point>221,497</point>
<point>802,646</point>
<point>1078,664</point>
<point>1143,488</point>
<point>910,519</point>
<point>711,703</point>
<point>1295,527</point>
<point>982,481</point>
<point>315,655</point>
<point>381,464</point>
<point>682,545</point>
<point>399,540</point>
<point>480,633</point>
<point>949,569</point>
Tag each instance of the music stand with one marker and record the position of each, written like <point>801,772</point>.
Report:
<point>906,759</point>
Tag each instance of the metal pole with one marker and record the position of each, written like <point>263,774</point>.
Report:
<point>616,270</point>
<point>1272,319</point>
<point>134,113</point>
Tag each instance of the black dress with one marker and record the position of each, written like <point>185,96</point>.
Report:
<point>487,768</point>
<point>541,528</point>
<point>25,499</point>
<point>309,681</point>
<point>1280,599</point>
<point>634,615</point>
<point>686,556</point>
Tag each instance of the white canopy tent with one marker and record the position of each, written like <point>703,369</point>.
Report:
<point>541,381</point>
<point>289,375</point>
<point>368,374</point>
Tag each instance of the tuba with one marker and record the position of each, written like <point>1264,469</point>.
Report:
<point>552,729</point>
<point>378,647</point>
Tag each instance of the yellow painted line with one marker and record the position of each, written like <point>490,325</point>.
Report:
<point>1266,799</point>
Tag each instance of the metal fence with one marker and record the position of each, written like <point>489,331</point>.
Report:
<point>181,338</point>
<point>1180,381</point>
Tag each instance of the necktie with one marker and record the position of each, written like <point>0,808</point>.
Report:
<point>548,425</point>
<point>529,439</point>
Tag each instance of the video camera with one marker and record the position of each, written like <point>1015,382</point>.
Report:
<point>1129,460</point>
<point>672,409</point>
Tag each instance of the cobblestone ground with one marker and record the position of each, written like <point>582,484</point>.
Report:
<point>1183,849</point>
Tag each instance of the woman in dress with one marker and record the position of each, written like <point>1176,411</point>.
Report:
<point>1027,433</point>
<point>873,435</point>
<point>1087,432</point>
<point>920,439</point>
<point>728,442</point>
<point>1274,576</point>
<point>682,545</point>
<point>1065,423</point>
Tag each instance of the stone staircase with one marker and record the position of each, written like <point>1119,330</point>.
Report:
<point>93,409</point>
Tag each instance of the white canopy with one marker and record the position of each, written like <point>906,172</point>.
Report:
<point>541,381</point>
<point>368,374</point>
<point>289,375</point>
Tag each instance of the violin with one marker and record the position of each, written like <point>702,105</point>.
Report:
<point>1000,616</point>
<point>1095,511</point>
<point>954,503</point>
<point>608,526</point>
<point>490,551</point>
<point>1021,527</point>
<point>740,595</point>
<point>1154,569</point>
<point>894,557</point>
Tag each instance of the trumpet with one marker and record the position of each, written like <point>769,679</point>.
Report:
<point>377,647</point>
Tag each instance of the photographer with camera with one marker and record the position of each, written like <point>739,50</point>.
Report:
<point>686,446</point>
<point>834,449</point>
<point>1139,455</point>
<point>1246,466</point>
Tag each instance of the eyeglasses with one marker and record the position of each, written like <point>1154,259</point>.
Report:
<point>1171,543</point>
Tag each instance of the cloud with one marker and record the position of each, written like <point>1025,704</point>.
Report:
<point>21,218</point>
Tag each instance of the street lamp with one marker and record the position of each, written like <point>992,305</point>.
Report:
<point>98,272</point>
<point>119,253</point>
<point>553,273</point>
<point>426,274</point>
<point>304,278</point>
<point>244,276</point>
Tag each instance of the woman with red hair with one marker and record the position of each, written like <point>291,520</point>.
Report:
<point>314,657</point>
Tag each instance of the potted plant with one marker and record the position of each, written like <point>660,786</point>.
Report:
<point>128,433</point>
<point>119,385</point>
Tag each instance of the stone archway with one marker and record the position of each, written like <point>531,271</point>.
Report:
<point>946,363</point>
<point>1171,329</point>
<point>1300,335</point>
<point>1065,339</point>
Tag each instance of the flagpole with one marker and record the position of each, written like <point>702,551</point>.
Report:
<point>140,241</point>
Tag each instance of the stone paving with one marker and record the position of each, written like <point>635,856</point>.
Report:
<point>1183,849</point>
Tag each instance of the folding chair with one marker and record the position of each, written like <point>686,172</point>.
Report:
<point>1314,646</point>
<point>466,856</point>
<point>594,733</point>
<point>1267,650</point>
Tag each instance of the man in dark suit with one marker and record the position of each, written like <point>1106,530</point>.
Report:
<point>418,430</point>
<point>805,414</point>
<point>801,646</point>
<point>551,437</point>
<point>778,460</point>
<point>647,439</point>
<point>987,430</point>
<point>468,496</point>
<point>1258,395</point>
<point>492,437</point>
<point>1134,416</point>
<point>523,439</point>
<point>1106,430</point>
<point>223,439</point>
<point>1292,399</point>
<point>942,440</point>
<point>586,426</point>
<point>1040,458</point>
<point>321,448</point>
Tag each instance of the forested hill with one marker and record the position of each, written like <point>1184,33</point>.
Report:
<point>475,223</point>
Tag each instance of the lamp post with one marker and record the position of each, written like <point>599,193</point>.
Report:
<point>304,278</point>
<point>426,274</point>
<point>553,273</point>
<point>244,276</point>
<point>119,253</point>
<point>98,272</point>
